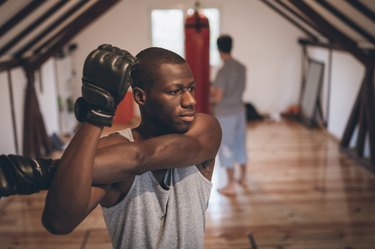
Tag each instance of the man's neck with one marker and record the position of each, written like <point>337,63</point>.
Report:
<point>146,130</point>
<point>226,56</point>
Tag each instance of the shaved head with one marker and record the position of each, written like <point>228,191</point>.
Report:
<point>146,70</point>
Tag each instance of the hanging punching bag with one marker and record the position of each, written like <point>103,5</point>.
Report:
<point>197,53</point>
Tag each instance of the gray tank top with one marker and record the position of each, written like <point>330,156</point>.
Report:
<point>152,217</point>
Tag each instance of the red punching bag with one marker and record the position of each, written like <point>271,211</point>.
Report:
<point>197,53</point>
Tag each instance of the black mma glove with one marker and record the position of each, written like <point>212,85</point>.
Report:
<point>23,175</point>
<point>106,78</point>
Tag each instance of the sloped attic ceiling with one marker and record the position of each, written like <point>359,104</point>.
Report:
<point>33,30</point>
<point>340,24</point>
<point>38,29</point>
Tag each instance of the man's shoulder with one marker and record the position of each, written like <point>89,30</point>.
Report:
<point>204,117</point>
<point>205,121</point>
<point>239,63</point>
<point>115,138</point>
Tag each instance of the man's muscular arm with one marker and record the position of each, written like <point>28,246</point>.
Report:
<point>22,175</point>
<point>71,196</point>
<point>198,145</point>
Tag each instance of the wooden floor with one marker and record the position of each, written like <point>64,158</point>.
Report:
<point>302,194</point>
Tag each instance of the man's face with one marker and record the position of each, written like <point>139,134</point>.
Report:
<point>170,101</point>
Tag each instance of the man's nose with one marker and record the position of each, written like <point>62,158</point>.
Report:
<point>188,99</point>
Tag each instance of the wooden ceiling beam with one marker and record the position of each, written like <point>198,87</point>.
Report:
<point>363,9</point>
<point>32,26</point>
<point>299,16</point>
<point>321,44</point>
<point>331,32</point>
<point>299,26</point>
<point>51,27</point>
<point>72,29</point>
<point>23,13</point>
<point>5,65</point>
<point>354,26</point>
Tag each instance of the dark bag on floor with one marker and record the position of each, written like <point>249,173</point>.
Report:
<point>251,113</point>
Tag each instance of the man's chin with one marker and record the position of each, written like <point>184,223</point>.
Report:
<point>183,128</point>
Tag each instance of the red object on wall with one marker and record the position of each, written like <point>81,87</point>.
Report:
<point>125,110</point>
<point>197,54</point>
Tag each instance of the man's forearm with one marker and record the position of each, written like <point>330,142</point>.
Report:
<point>114,163</point>
<point>69,194</point>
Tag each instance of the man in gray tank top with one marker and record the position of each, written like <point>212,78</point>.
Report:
<point>153,181</point>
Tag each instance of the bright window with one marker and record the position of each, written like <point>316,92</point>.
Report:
<point>213,18</point>
<point>168,30</point>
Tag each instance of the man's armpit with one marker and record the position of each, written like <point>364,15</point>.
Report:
<point>206,168</point>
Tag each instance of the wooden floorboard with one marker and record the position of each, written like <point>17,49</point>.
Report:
<point>302,194</point>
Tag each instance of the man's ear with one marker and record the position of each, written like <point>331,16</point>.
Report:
<point>139,96</point>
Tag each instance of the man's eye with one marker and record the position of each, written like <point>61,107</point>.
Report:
<point>174,92</point>
<point>191,89</point>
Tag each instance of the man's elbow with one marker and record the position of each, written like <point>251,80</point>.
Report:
<point>56,227</point>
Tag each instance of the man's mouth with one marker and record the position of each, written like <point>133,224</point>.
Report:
<point>188,117</point>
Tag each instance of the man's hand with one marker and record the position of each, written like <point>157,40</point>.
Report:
<point>23,175</point>
<point>216,95</point>
<point>106,78</point>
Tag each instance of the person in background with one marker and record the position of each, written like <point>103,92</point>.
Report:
<point>228,107</point>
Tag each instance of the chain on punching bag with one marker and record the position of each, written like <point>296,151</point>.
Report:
<point>197,53</point>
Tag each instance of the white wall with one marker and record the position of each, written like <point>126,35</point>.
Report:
<point>18,81</point>
<point>66,81</point>
<point>46,99</point>
<point>47,96</point>
<point>6,124</point>
<point>347,74</point>
<point>267,44</point>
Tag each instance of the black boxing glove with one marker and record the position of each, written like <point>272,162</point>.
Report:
<point>20,175</point>
<point>106,78</point>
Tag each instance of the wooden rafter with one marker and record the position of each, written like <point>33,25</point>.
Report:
<point>296,14</point>
<point>363,9</point>
<point>370,110</point>
<point>362,129</point>
<point>24,12</point>
<point>353,118</point>
<point>64,36</point>
<point>321,44</point>
<point>362,116</point>
<point>8,64</point>
<point>32,26</point>
<point>331,32</point>
<point>353,25</point>
<point>51,27</point>
<point>291,20</point>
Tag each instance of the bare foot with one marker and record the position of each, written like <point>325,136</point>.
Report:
<point>227,190</point>
<point>243,183</point>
